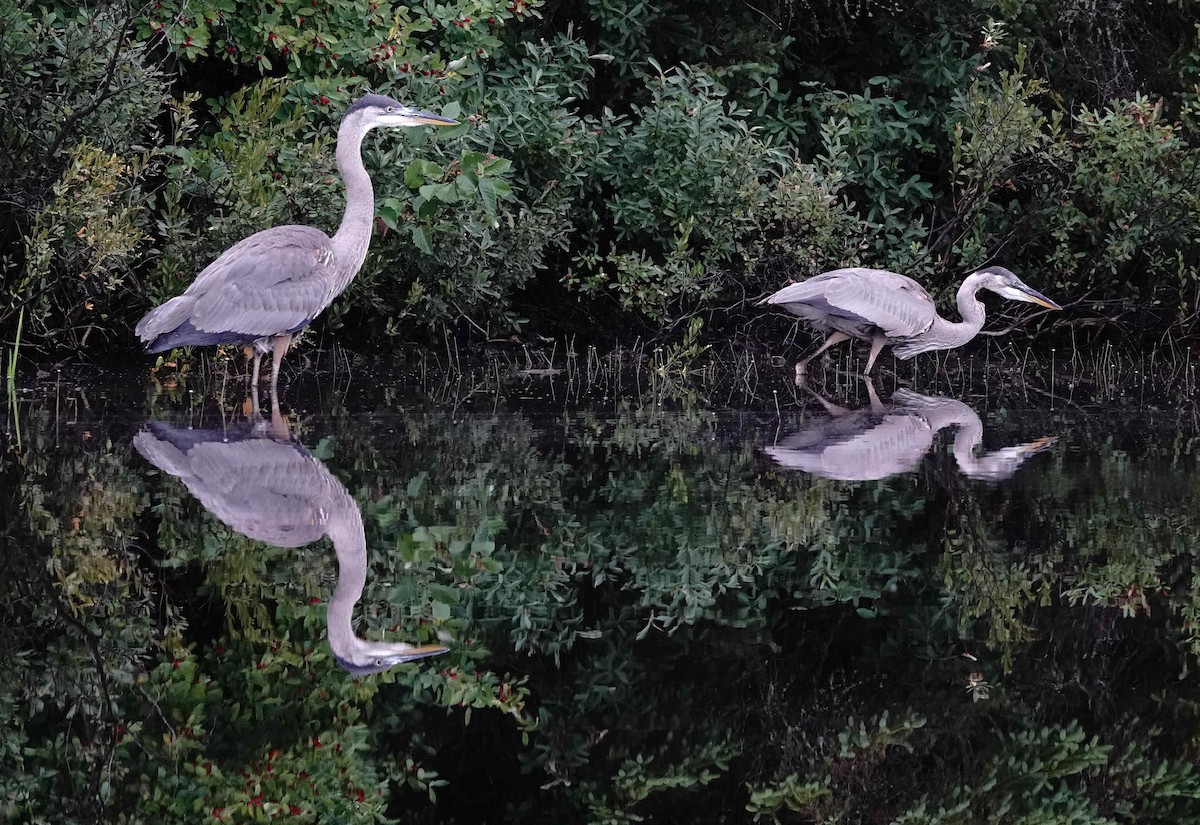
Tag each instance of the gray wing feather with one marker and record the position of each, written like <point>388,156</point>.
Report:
<point>163,318</point>
<point>893,302</point>
<point>892,444</point>
<point>271,282</point>
<point>268,490</point>
<point>265,489</point>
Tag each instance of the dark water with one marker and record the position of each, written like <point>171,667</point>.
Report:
<point>663,596</point>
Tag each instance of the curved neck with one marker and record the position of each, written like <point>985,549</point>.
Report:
<point>968,437</point>
<point>350,545</point>
<point>950,334</point>
<point>353,236</point>
<point>940,413</point>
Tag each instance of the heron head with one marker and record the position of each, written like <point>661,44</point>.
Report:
<point>1005,283</point>
<point>380,110</point>
<point>376,657</point>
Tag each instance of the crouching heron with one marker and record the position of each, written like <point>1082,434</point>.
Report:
<point>266,288</point>
<point>889,308</point>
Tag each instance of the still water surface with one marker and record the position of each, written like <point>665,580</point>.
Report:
<point>549,596</point>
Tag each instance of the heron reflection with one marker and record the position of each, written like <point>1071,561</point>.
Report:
<point>264,484</point>
<point>883,440</point>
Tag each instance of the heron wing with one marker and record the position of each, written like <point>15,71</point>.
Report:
<point>275,281</point>
<point>895,303</point>
<point>879,447</point>
<point>268,490</point>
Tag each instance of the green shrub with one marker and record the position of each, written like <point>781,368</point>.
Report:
<point>656,160</point>
<point>80,148</point>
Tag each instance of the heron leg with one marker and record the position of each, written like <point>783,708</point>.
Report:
<point>279,346</point>
<point>876,345</point>
<point>835,337</point>
<point>250,405</point>
<point>833,409</point>
<point>279,426</point>
<point>253,356</point>
<point>876,404</point>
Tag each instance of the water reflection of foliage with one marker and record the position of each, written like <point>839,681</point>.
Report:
<point>689,632</point>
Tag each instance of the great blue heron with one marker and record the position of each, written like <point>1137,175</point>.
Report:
<point>889,308</point>
<point>266,288</point>
<point>266,486</point>
<point>883,440</point>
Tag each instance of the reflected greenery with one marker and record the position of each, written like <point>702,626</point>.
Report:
<point>648,620</point>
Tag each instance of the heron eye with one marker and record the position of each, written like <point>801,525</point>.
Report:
<point>389,108</point>
<point>379,663</point>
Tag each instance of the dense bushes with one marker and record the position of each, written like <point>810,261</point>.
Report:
<point>659,176</point>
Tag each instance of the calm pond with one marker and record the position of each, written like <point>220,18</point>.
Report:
<point>634,594</point>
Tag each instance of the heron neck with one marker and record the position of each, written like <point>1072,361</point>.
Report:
<point>968,437</point>
<point>950,334</point>
<point>940,413</point>
<point>350,546</point>
<point>353,236</point>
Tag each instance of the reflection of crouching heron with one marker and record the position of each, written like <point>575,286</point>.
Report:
<point>883,440</point>
<point>266,486</point>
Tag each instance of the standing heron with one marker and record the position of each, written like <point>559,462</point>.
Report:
<point>264,485</point>
<point>264,289</point>
<point>889,308</point>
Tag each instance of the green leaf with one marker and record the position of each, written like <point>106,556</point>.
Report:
<point>446,193</point>
<point>422,240</point>
<point>389,212</point>
<point>415,485</point>
<point>497,166</point>
<point>442,594</point>
<point>420,169</point>
<point>487,193</point>
<point>472,159</point>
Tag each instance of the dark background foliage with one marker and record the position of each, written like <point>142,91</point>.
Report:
<point>625,166</point>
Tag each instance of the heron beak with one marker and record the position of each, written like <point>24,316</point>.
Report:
<point>422,652</point>
<point>1023,291</point>
<point>1028,293</point>
<point>415,117</point>
<point>1034,447</point>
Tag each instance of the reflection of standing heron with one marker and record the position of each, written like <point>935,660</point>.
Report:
<point>266,486</point>
<point>883,440</point>
<point>888,308</point>
<point>266,288</point>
